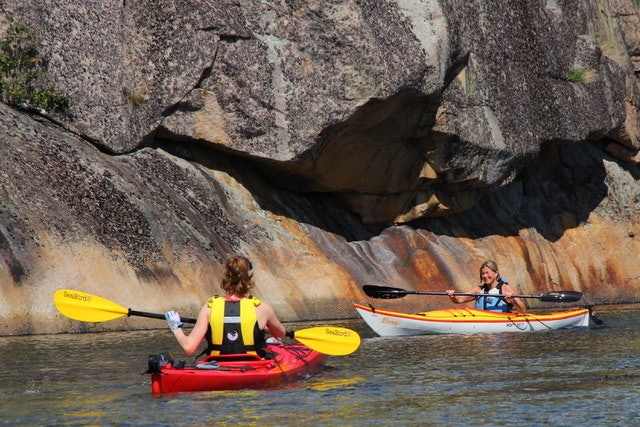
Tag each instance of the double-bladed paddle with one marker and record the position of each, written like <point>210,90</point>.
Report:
<point>78,305</point>
<point>387,292</point>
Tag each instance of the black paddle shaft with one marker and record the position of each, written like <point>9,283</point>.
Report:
<point>157,316</point>
<point>386,292</point>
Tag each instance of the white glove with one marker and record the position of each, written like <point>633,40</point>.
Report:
<point>173,319</point>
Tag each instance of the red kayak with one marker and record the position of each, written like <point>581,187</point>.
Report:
<point>236,371</point>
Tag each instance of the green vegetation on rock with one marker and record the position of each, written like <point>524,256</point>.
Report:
<point>576,75</point>
<point>21,68</point>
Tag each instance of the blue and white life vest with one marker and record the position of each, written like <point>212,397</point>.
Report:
<point>491,303</point>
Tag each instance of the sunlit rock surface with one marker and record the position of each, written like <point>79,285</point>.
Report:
<point>399,143</point>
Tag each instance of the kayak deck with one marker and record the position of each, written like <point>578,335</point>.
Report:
<point>464,320</point>
<point>233,372</point>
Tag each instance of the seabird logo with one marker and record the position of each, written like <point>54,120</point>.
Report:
<point>232,336</point>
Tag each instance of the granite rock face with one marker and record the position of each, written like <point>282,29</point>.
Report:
<point>336,143</point>
<point>406,109</point>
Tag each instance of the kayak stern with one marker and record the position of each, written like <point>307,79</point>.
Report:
<point>233,372</point>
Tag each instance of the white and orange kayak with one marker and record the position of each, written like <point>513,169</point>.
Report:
<point>463,320</point>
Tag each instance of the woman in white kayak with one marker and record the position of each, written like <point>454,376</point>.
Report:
<point>232,324</point>
<point>491,283</point>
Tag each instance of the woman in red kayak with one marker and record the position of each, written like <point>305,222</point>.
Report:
<point>491,283</point>
<point>232,324</point>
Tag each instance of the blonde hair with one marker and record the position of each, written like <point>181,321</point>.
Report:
<point>491,265</point>
<point>236,276</point>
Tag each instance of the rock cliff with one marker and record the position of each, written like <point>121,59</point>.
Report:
<point>336,144</point>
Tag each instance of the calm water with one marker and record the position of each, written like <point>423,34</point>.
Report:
<point>562,378</point>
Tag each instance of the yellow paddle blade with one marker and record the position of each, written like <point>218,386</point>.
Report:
<point>330,340</point>
<point>85,307</point>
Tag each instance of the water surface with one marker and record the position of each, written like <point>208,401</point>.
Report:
<point>556,378</point>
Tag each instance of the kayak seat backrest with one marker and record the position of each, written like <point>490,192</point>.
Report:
<point>233,357</point>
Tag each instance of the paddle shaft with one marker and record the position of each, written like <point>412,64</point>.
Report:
<point>330,340</point>
<point>469,294</point>
<point>386,292</point>
<point>158,316</point>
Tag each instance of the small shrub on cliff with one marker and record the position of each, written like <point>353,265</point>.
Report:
<point>133,98</point>
<point>580,75</point>
<point>576,75</point>
<point>21,67</point>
